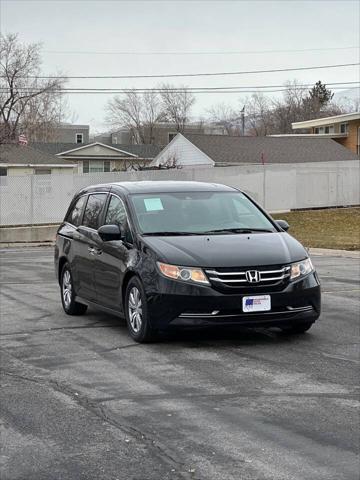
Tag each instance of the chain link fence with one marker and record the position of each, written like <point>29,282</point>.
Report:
<point>43,199</point>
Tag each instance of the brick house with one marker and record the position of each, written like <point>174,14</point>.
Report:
<point>344,129</point>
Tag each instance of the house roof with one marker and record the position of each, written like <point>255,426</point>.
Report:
<point>310,135</point>
<point>317,122</point>
<point>141,151</point>
<point>77,149</point>
<point>17,155</point>
<point>234,150</point>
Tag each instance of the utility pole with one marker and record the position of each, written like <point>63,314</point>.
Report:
<point>243,121</point>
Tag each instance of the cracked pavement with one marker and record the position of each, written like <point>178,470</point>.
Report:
<point>79,400</point>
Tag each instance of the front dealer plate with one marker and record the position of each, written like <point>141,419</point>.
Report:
<point>257,303</point>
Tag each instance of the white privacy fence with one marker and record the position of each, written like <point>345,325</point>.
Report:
<point>41,199</point>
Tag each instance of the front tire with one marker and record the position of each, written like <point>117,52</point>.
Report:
<point>68,294</point>
<point>136,312</point>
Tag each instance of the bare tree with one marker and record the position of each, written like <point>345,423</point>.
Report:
<point>266,116</point>
<point>258,108</point>
<point>140,113</point>
<point>42,116</point>
<point>27,101</point>
<point>348,105</point>
<point>225,117</point>
<point>177,104</point>
<point>171,161</point>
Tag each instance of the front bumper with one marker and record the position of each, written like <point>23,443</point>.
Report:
<point>178,302</point>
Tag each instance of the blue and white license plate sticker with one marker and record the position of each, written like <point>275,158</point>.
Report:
<point>258,303</point>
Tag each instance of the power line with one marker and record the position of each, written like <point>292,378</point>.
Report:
<point>177,75</point>
<point>182,89</point>
<point>224,52</point>
<point>124,91</point>
<point>333,85</point>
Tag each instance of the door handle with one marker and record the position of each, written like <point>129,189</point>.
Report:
<point>94,251</point>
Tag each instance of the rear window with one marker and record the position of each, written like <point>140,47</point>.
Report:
<point>93,210</point>
<point>74,216</point>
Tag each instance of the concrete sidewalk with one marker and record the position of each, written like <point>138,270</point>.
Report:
<point>323,252</point>
<point>327,252</point>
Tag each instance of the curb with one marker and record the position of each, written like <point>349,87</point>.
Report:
<point>26,244</point>
<point>327,252</point>
<point>317,252</point>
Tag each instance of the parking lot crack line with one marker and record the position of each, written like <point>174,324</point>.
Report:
<point>224,396</point>
<point>153,445</point>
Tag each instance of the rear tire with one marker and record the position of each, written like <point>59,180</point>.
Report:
<point>137,314</point>
<point>298,328</point>
<point>68,294</point>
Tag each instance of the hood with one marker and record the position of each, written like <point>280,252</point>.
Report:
<point>242,250</point>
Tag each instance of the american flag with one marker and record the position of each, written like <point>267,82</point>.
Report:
<point>22,139</point>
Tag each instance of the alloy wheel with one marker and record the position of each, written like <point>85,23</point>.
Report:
<point>135,309</point>
<point>67,288</point>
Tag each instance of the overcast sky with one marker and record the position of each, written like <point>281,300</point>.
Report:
<point>66,28</point>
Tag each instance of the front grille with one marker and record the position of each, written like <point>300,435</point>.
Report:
<point>238,277</point>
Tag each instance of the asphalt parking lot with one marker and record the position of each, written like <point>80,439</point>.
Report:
<point>80,400</point>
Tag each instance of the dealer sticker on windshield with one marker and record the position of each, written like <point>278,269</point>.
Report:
<point>258,303</point>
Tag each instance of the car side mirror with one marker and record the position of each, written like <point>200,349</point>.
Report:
<point>110,232</point>
<point>283,224</point>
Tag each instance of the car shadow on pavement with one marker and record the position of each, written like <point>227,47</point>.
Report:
<point>198,336</point>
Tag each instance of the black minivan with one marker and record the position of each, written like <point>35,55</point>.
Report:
<point>163,252</point>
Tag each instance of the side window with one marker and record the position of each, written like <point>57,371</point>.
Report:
<point>74,216</point>
<point>93,210</point>
<point>116,213</point>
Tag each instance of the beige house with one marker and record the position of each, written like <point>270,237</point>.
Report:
<point>99,157</point>
<point>25,160</point>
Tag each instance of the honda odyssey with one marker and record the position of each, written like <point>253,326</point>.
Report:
<point>163,252</point>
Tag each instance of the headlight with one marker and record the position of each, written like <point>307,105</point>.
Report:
<point>183,273</point>
<point>301,268</point>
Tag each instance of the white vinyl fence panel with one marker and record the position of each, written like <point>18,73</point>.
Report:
<point>43,199</point>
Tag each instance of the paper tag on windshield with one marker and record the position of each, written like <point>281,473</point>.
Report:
<point>152,204</point>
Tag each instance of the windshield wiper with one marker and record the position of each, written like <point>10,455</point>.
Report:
<point>238,230</point>
<point>207,232</point>
<point>170,234</point>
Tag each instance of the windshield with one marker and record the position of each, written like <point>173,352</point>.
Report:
<point>198,213</point>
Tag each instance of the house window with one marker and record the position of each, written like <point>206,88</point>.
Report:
<point>42,171</point>
<point>327,130</point>
<point>3,172</point>
<point>317,130</point>
<point>96,166</point>
<point>322,130</point>
<point>343,127</point>
<point>79,138</point>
